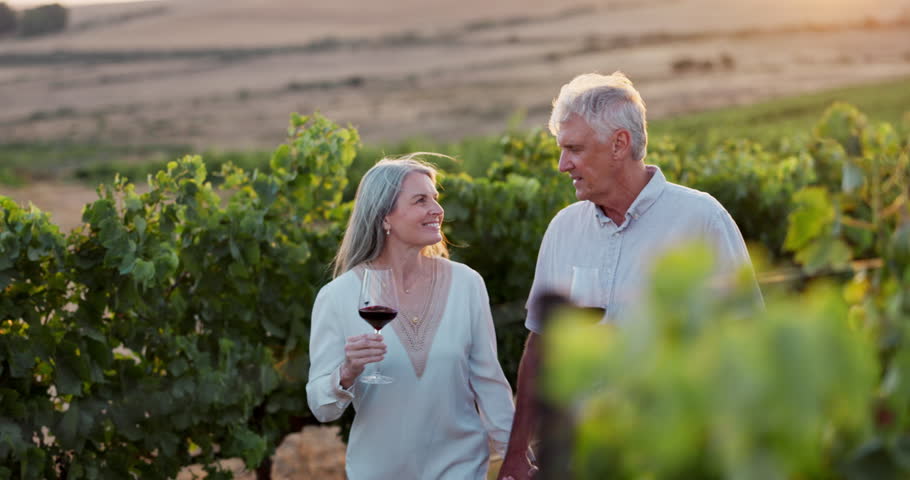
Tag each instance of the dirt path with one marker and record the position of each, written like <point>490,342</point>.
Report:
<point>314,453</point>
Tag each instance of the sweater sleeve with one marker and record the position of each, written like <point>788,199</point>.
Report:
<point>491,389</point>
<point>325,396</point>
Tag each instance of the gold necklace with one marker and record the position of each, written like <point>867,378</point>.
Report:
<point>414,318</point>
<point>407,290</point>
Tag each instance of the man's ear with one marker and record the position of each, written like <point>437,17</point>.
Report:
<point>622,142</point>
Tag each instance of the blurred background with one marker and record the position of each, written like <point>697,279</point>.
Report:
<point>126,83</point>
<point>736,94</point>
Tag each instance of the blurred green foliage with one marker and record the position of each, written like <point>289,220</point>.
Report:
<point>208,280</point>
<point>172,327</point>
<point>814,386</point>
<point>702,386</point>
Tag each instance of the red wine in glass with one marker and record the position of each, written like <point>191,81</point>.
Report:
<point>378,316</point>
<point>586,291</point>
<point>378,305</point>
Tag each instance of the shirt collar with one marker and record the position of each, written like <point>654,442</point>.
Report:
<point>643,201</point>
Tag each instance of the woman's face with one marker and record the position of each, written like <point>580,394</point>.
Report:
<point>417,217</point>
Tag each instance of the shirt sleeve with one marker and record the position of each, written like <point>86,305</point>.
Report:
<point>491,389</point>
<point>543,274</point>
<point>325,396</point>
<point>732,256</point>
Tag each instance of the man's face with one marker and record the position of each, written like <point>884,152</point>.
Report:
<point>586,159</point>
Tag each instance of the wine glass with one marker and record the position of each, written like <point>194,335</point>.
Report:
<point>378,306</point>
<point>587,291</point>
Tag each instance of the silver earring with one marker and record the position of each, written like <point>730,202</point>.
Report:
<point>388,231</point>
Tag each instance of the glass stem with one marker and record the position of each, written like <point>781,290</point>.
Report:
<point>378,372</point>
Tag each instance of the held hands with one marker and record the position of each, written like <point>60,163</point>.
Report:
<point>360,350</point>
<point>517,467</point>
<point>526,471</point>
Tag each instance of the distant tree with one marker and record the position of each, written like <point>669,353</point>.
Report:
<point>43,20</point>
<point>8,20</point>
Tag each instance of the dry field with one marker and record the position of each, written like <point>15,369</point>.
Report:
<point>221,74</point>
<point>226,74</point>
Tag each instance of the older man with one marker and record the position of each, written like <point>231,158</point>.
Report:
<point>627,214</point>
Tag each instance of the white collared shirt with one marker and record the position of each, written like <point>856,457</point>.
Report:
<point>663,215</point>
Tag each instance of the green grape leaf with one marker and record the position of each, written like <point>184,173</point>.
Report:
<point>825,253</point>
<point>143,271</point>
<point>11,440</point>
<point>68,428</point>
<point>245,444</point>
<point>812,217</point>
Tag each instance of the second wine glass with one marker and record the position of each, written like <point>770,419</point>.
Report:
<point>378,305</point>
<point>586,291</point>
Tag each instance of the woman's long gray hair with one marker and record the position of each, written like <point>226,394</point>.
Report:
<point>376,196</point>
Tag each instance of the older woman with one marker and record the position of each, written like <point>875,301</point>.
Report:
<point>449,400</point>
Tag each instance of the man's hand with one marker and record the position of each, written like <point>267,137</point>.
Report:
<point>516,467</point>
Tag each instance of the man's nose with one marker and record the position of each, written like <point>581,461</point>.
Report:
<point>564,163</point>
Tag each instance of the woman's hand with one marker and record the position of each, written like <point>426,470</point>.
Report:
<point>360,350</point>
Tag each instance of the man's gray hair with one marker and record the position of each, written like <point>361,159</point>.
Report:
<point>606,103</point>
<point>376,196</point>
